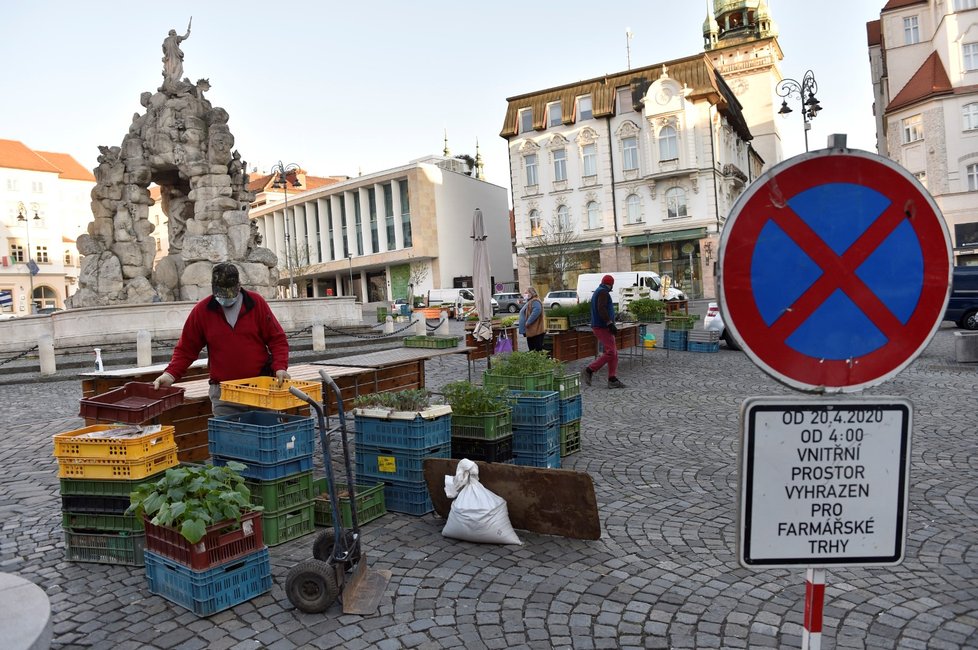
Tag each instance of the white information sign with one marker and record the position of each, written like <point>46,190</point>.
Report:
<point>824,482</point>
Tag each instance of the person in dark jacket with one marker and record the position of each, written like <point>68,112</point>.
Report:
<point>531,323</point>
<point>242,335</point>
<point>604,328</point>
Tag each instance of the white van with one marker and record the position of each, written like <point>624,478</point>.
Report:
<point>588,282</point>
<point>450,297</point>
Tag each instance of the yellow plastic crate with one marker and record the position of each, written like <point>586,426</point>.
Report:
<point>98,468</point>
<point>262,392</point>
<point>86,443</point>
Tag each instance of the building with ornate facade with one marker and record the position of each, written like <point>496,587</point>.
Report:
<point>45,200</point>
<point>924,63</point>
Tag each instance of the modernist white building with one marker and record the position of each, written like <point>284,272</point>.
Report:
<point>53,193</point>
<point>381,236</point>
<point>924,60</point>
<point>633,170</point>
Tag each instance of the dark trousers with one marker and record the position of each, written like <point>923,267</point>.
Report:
<point>535,343</point>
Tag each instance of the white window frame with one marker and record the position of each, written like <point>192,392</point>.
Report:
<point>525,120</point>
<point>593,215</point>
<point>563,219</point>
<point>633,209</point>
<point>962,5</point>
<point>629,153</point>
<point>911,30</point>
<point>589,159</point>
<point>585,109</point>
<point>912,128</point>
<point>560,165</point>
<point>972,173</point>
<point>668,143</point>
<point>623,100</point>
<point>676,203</point>
<point>530,162</point>
<point>969,56</point>
<point>536,226</point>
<point>554,115</point>
<point>18,253</point>
<point>969,116</point>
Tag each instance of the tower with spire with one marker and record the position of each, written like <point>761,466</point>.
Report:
<point>741,38</point>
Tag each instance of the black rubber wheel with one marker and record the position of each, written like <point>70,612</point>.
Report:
<point>322,548</point>
<point>311,586</point>
<point>512,309</point>
<point>969,321</point>
<point>729,340</point>
<point>556,305</point>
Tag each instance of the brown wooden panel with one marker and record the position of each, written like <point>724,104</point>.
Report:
<point>549,501</point>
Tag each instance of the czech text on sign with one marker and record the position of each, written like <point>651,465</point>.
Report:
<point>834,270</point>
<point>824,482</point>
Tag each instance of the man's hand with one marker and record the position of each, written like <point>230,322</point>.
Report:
<point>163,381</point>
<point>612,328</point>
<point>281,376</point>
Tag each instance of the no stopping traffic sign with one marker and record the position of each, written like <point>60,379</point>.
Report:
<point>834,270</point>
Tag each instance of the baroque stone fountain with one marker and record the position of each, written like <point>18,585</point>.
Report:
<point>183,144</point>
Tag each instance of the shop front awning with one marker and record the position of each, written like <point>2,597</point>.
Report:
<point>566,247</point>
<point>662,237</point>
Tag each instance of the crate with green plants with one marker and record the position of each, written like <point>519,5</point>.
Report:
<point>478,411</point>
<point>521,371</point>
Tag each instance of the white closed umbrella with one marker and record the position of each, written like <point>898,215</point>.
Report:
<point>481,278</point>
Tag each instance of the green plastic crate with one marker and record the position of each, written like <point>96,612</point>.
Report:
<point>570,438</point>
<point>286,492</point>
<point>533,381</point>
<point>681,322</point>
<point>568,385</point>
<point>370,504</point>
<point>88,487</point>
<point>278,528</point>
<point>431,342</point>
<point>105,548</point>
<point>108,523</point>
<point>491,426</point>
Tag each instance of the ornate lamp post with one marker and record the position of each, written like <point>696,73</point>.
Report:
<point>31,266</point>
<point>805,91</point>
<point>281,173</point>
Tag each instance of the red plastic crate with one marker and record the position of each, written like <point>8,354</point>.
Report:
<point>133,403</point>
<point>216,547</point>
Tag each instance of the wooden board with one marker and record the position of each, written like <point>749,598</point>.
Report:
<point>549,501</point>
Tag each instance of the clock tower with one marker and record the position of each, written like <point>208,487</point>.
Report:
<point>741,39</point>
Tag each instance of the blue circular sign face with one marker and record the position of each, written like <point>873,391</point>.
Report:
<point>834,270</point>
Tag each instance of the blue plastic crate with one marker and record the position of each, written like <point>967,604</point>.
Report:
<point>416,434</point>
<point>534,407</point>
<point>388,464</point>
<point>703,346</point>
<point>407,498</point>
<point>550,460</point>
<point>674,340</point>
<point>259,472</point>
<point>263,437</point>
<point>211,591</point>
<point>537,440</point>
<point>571,409</point>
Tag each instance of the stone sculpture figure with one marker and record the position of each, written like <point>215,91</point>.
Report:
<point>173,55</point>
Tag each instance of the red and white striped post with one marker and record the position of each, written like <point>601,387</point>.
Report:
<point>814,601</point>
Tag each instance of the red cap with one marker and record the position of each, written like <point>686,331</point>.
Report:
<point>608,280</point>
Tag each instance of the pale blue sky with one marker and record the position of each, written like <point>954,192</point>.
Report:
<point>340,87</point>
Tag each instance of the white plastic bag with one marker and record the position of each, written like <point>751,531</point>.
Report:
<point>477,515</point>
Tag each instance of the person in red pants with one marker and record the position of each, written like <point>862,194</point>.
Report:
<point>604,328</point>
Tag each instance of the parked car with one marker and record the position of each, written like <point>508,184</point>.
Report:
<point>511,302</point>
<point>714,321</point>
<point>962,306</point>
<point>556,299</point>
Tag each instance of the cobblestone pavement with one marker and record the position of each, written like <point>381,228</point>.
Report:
<point>663,456</point>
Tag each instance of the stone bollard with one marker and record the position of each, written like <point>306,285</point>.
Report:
<point>442,329</point>
<point>45,351</point>
<point>389,325</point>
<point>144,348</point>
<point>420,326</point>
<point>966,347</point>
<point>318,335</point>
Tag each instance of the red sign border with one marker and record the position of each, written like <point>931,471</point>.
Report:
<point>739,238</point>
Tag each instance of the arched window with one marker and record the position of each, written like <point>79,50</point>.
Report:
<point>668,143</point>
<point>676,202</point>
<point>593,217</point>
<point>633,209</point>
<point>536,228</point>
<point>563,219</point>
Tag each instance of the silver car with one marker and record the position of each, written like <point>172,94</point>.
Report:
<point>511,302</point>
<point>714,321</point>
<point>556,299</point>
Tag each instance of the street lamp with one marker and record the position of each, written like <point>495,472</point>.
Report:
<point>805,91</point>
<point>350,257</point>
<point>281,173</point>
<point>31,266</point>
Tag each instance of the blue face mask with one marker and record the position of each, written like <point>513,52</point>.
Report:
<point>225,302</point>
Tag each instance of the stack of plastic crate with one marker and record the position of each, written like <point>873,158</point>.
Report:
<point>277,450</point>
<point>703,341</point>
<point>230,565</point>
<point>392,446</point>
<point>570,411</point>
<point>486,437</point>
<point>99,466</point>
<point>536,427</point>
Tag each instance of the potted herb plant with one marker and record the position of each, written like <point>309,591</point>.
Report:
<point>404,419</point>
<point>478,411</point>
<point>521,371</point>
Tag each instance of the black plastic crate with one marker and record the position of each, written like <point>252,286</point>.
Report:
<point>489,451</point>
<point>95,505</point>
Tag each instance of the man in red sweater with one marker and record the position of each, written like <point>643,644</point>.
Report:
<point>242,335</point>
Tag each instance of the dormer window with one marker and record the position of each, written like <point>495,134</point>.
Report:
<point>554,117</point>
<point>526,120</point>
<point>584,108</point>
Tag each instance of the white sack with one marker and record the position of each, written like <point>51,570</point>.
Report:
<point>477,515</point>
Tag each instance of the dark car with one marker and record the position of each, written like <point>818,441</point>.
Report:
<point>511,302</point>
<point>962,306</point>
